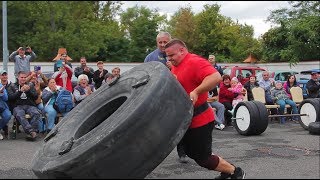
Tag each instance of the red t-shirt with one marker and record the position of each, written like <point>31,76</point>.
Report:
<point>190,73</point>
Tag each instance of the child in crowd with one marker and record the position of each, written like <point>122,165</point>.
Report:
<point>281,97</point>
<point>236,87</point>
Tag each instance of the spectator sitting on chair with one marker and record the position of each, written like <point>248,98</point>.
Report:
<point>219,108</point>
<point>83,89</point>
<point>291,82</point>
<point>226,97</point>
<point>6,82</point>
<point>280,96</point>
<point>313,86</point>
<point>5,113</point>
<point>25,95</point>
<point>237,88</point>
<point>250,85</point>
<point>267,83</point>
<point>49,95</point>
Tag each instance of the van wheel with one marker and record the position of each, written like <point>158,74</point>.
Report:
<point>310,107</point>
<point>314,128</point>
<point>250,118</point>
<point>121,131</point>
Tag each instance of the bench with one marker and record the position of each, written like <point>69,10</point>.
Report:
<point>259,95</point>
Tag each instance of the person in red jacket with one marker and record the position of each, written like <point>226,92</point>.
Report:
<point>63,75</point>
<point>225,97</point>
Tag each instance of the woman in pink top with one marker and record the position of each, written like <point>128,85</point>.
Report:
<point>291,82</point>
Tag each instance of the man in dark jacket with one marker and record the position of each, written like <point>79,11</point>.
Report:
<point>25,95</point>
<point>313,86</point>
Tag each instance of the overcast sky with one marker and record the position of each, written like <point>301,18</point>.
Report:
<point>250,12</point>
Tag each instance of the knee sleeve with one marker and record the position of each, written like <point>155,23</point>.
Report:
<point>211,163</point>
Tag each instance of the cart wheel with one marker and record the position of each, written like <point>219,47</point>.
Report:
<point>249,119</point>
<point>311,107</point>
<point>314,128</point>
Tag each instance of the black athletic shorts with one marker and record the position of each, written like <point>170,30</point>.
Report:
<point>197,142</point>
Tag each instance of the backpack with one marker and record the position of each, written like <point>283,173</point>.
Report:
<point>64,101</point>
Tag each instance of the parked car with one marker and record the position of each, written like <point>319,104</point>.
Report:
<point>278,75</point>
<point>242,72</point>
<point>303,78</point>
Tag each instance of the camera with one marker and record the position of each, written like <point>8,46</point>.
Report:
<point>37,68</point>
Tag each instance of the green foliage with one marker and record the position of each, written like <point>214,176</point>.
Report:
<point>298,36</point>
<point>142,25</point>
<point>100,30</point>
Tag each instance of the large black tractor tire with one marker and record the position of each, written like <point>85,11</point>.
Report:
<point>121,131</point>
<point>250,118</point>
<point>314,128</point>
<point>310,107</point>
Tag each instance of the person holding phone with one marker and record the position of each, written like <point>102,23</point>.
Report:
<point>41,78</point>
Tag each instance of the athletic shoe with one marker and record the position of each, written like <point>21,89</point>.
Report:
<point>1,137</point>
<point>223,176</point>
<point>183,159</point>
<point>220,127</point>
<point>238,174</point>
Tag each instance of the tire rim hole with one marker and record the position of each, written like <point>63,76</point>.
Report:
<point>100,116</point>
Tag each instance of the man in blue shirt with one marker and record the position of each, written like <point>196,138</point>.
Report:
<point>159,54</point>
<point>212,60</point>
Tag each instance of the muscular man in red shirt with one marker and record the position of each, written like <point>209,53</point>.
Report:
<point>197,77</point>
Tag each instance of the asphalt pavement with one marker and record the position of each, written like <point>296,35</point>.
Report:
<point>282,152</point>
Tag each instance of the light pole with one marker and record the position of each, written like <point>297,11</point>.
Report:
<point>5,51</point>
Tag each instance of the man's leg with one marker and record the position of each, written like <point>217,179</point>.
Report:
<point>198,146</point>
<point>35,114</point>
<point>181,153</point>
<point>19,114</point>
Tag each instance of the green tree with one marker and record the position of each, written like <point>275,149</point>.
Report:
<point>297,37</point>
<point>141,25</point>
<point>217,34</point>
<point>182,26</point>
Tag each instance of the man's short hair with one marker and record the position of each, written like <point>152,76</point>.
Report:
<point>175,41</point>
<point>211,56</point>
<point>99,62</point>
<point>162,33</point>
<point>22,72</point>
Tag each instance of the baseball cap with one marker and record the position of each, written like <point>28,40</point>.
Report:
<point>3,71</point>
<point>314,72</point>
<point>59,63</point>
